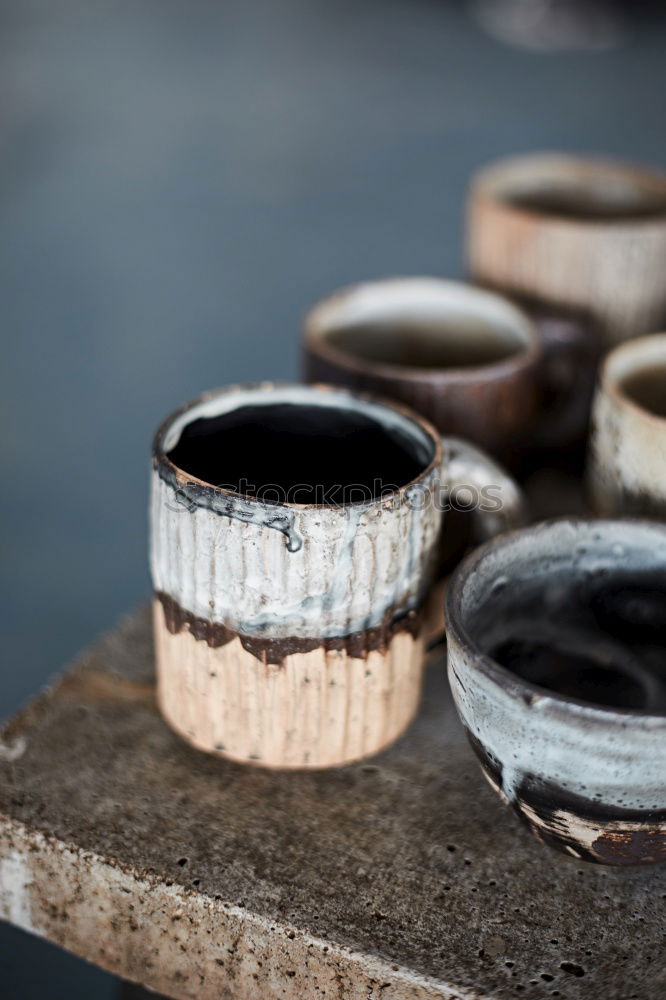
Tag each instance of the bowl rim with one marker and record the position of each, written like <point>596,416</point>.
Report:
<point>615,385</point>
<point>488,186</point>
<point>505,678</point>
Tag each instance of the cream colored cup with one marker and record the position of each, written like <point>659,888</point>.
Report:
<point>577,232</point>
<point>627,457</point>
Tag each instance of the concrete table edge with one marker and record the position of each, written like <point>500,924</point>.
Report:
<point>95,898</point>
<point>401,877</point>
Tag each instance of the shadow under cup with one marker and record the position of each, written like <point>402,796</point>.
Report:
<point>557,661</point>
<point>463,357</point>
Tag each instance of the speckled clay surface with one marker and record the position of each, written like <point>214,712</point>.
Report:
<point>627,458</point>
<point>587,779</point>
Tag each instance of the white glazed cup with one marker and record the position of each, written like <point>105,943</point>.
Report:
<point>287,634</point>
<point>627,455</point>
<point>587,778</point>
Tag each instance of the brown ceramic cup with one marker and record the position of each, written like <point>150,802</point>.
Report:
<point>466,358</point>
<point>573,232</point>
<point>627,456</point>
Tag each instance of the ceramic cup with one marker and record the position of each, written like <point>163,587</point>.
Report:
<point>575,232</point>
<point>465,358</point>
<point>292,538</point>
<point>627,456</point>
<point>557,637</point>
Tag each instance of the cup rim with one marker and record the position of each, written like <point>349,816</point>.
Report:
<point>611,383</point>
<point>488,182</point>
<point>504,677</point>
<point>161,460</point>
<point>317,341</point>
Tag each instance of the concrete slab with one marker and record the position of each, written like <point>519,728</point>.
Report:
<point>399,877</point>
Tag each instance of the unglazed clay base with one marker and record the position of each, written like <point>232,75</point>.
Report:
<point>314,709</point>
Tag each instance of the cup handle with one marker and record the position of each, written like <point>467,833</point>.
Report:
<point>499,503</point>
<point>572,349</point>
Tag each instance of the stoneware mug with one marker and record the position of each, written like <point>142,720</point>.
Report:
<point>464,357</point>
<point>292,538</point>
<point>557,637</point>
<point>571,231</point>
<point>627,455</point>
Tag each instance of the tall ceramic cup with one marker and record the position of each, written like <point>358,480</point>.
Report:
<point>627,454</point>
<point>575,232</point>
<point>292,538</point>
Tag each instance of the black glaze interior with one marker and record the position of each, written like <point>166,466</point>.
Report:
<point>599,637</point>
<point>300,453</point>
<point>570,673</point>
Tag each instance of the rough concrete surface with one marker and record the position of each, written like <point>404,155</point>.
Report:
<point>402,876</point>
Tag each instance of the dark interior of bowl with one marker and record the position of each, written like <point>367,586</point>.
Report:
<point>586,621</point>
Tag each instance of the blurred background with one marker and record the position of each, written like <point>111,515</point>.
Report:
<point>178,181</point>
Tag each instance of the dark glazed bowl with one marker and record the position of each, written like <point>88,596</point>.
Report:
<point>588,778</point>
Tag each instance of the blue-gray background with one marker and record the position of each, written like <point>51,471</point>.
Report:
<point>179,179</point>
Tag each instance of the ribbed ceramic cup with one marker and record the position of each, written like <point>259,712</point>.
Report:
<point>289,634</point>
<point>584,770</point>
<point>627,456</point>
<point>576,232</point>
